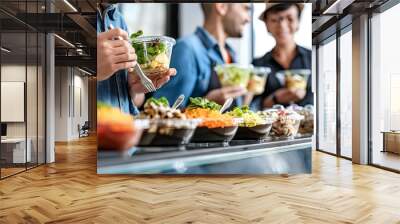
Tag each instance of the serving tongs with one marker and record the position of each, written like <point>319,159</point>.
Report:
<point>226,105</point>
<point>147,83</point>
<point>178,101</point>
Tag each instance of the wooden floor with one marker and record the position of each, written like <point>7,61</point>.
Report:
<point>70,191</point>
<point>387,159</point>
<point>10,171</point>
<point>5,172</point>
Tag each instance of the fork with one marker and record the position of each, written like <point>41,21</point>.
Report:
<point>178,101</point>
<point>146,82</point>
<point>226,105</point>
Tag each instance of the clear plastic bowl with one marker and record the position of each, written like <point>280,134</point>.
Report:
<point>169,132</point>
<point>154,53</point>
<point>269,120</point>
<point>294,78</point>
<point>287,123</point>
<point>142,123</point>
<point>233,75</point>
<point>250,122</point>
<point>277,107</point>
<point>206,122</point>
<point>258,79</point>
<point>255,132</point>
<point>307,124</point>
<point>175,123</point>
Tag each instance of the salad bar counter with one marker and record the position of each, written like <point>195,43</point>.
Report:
<point>236,157</point>
<point>203,139</point>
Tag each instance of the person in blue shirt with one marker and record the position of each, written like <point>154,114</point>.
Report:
<point>115,86</point>
<point>196,55</point>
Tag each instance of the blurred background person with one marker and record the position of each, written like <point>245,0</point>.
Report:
<point>282,22</point>
<point>196,55</point>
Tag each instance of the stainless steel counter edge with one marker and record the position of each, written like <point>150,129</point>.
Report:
<point>155,166</point>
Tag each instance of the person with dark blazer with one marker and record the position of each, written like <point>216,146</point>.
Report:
<point>282,22</point>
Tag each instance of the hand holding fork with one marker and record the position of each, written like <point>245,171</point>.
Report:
<point>145,81</point>
<point>116,47</point>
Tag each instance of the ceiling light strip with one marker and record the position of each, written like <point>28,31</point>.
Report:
<point>65,41</point>
<point>84,71</point>
<point>70,5</point>
<point>331,7</point>
<point>5,50</point>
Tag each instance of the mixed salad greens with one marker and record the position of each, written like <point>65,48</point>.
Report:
<point>250,118</point>
<point>232,75</point>
<point>152,53</point>
<point>136,35</point>
<point>162,101</point>
<point>199,102</point>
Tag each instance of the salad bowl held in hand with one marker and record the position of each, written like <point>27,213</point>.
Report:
<point>258,80</point>
<point>153,52</point>
<point>294,78</point>
<point>233,75</point>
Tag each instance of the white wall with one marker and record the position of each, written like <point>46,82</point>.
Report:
<point>192,11</point>
<point>17,73</point>
<point>33,126</point>
<point>69,85</point>
<point>80,94</point>
<point>61,103</point>
<point>148,17</point>
<point>14,73</point>
<point>13,101</point>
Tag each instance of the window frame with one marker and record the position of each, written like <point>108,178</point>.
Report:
<point>31,30</point>
<point>379,10</point>
<point>334,37</point>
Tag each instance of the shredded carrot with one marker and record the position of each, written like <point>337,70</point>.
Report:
<point>211,118</point>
